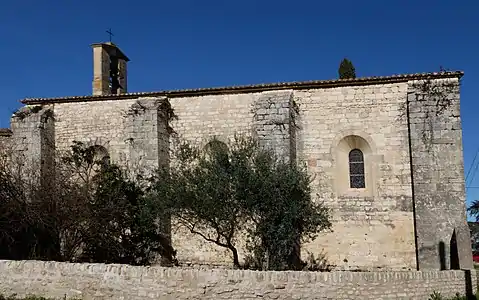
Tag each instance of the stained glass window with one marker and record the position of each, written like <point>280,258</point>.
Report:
<point>356,169</point>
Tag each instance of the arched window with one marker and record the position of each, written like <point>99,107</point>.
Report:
<point>216,146</point>
<point>356,169</point>
<point>218,151</point>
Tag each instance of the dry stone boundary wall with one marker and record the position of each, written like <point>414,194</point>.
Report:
<point>101,281</point>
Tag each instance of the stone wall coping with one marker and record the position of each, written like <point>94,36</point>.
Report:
<point>179,272</point>
<point>61,280</point>
<point>314,84</point>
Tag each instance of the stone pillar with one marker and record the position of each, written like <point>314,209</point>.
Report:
<point>147,134</point>
<point>274,123</point>
<point>275,115</point>
<point>33,141</point>
<point>442,233</point>
<point>148,137</point>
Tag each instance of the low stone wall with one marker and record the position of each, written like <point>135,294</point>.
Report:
<point>99,281</point>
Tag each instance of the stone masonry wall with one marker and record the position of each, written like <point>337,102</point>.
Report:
<point>373,228</point>
<point>5,138</point>
<point>317,127</point>
<point>132,131</point>
<point>269,116</point>
<point>274,123</point>
<point>99,281</point>
<point>33,141</point>
<point>221,116</point>
<point>443,235</point>
<point>147,136</point>
<point>328,123</point>
<point>200,119</point>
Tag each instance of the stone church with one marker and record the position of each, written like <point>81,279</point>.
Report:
<point>385,153</point>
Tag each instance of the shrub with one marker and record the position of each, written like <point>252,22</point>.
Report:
<point>83,210</point>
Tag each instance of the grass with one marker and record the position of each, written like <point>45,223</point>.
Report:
<point>438,296</point>
<point>13,297</point>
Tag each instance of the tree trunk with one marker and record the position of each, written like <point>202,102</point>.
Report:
<point>236,263</point>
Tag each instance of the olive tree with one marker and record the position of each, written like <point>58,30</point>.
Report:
<point>222,190</point>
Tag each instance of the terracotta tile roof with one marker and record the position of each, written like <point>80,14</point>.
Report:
<point>5,132</point>
<point>254,88</point>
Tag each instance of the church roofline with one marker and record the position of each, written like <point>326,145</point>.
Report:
<point>253,88</point>
<point>5,132</point>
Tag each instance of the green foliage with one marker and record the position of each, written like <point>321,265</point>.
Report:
<point>201,192</point>
<point>346,69</point>
<point>13,226</point>
<point>474,230</point>
<point>437,296</point>
<point>222,190</point>
<point>474,211</point>
<point>30,297</point>
<point>91,212</point>
<point>13,297</point>
<point>122,223</point>
<point>316,263</point>
<point>24,225</point>
<point>279,199</point>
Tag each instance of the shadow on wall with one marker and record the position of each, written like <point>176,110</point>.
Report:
<point>453,254</point>
<point>454,263</point>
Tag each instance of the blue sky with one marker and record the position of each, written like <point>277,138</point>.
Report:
<point>178,44</point>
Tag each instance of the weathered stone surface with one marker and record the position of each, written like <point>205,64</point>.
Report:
<point>199,119</point>
<point>5,138</point>
<point>99,281</point>
<point>323,118</point>
<point>438,175</point>
<point>33,141</point>
<point>373,227</point>
<point>331,123</point>
<point>274,123</point>
<point>134,131</point>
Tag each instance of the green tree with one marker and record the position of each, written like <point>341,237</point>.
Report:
<point>473,227</point>
<point>28,213</point>
<point>223,190</point>
<point>90,211</point>
<point>17,232</point>
<point>123,223</point>
<point>200,193</point>
<point>346,69</point>
<point>474,231</point>
<point>278,197</point>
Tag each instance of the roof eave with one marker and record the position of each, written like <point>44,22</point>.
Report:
<point>5,132</point>
<point>253,88</point>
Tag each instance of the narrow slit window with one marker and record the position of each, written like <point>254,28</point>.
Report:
<point>356,169</point>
